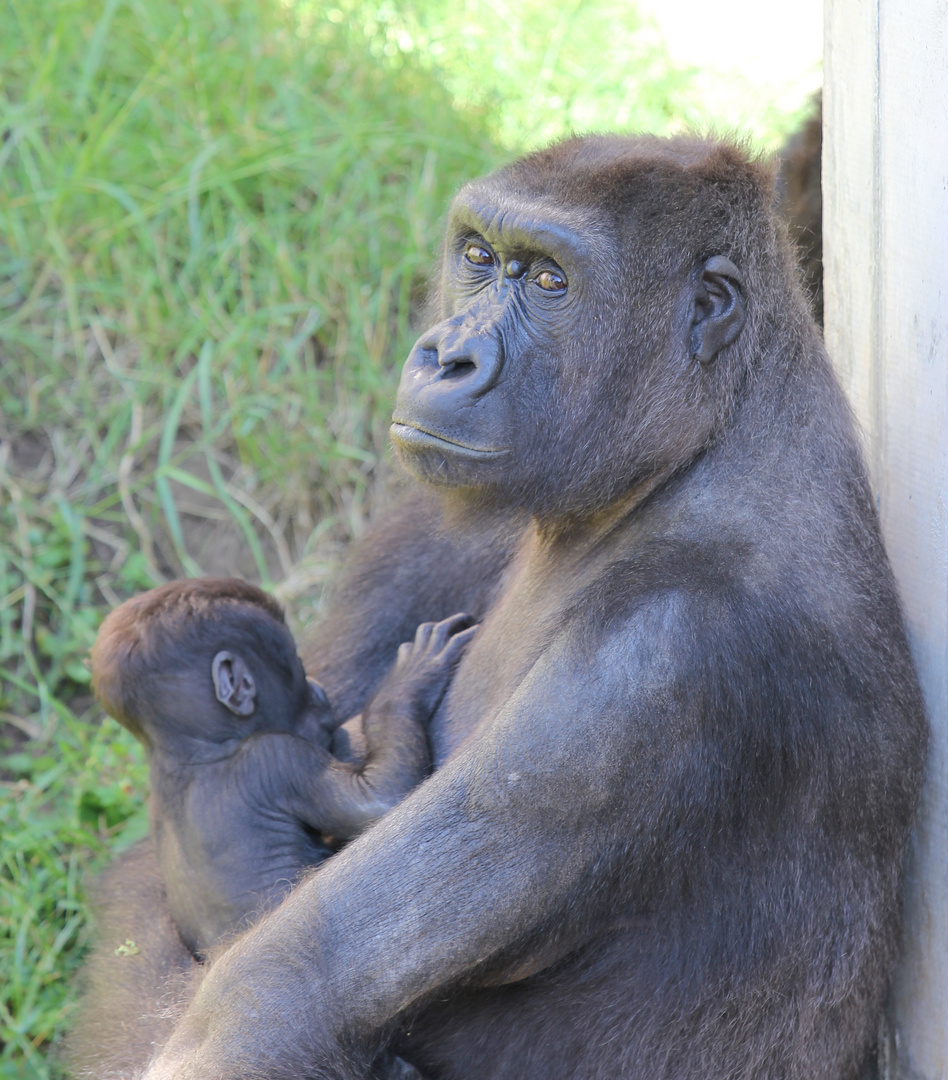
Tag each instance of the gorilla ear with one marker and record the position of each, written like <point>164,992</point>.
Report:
<point>717,309</point>
<point>233,683</point>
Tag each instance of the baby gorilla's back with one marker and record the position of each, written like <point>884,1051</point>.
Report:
<point>231,849</point>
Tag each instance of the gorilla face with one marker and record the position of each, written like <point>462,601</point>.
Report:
<point>545,384</point>
<point>481,384</point>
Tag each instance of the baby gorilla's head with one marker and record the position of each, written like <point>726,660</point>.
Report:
<point>208,658</point>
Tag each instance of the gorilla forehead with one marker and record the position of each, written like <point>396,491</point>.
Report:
<point>587,168</point>
<point>637,194</point>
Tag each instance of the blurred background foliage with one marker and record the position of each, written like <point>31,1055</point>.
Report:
<point>215,222</point>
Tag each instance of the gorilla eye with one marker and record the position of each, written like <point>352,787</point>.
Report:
<point>551,281</point>
<point>478,255</point>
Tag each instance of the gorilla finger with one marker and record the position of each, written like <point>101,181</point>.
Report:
<point>453,624</point>
<point>457,643</point>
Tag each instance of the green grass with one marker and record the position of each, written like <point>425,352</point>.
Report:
<point>215,219</point>
<point>213,231</point>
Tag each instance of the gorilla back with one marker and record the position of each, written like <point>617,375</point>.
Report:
<point>678,766</point>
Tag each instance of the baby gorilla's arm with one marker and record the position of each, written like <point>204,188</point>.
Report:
<point>394,722</point>
<point>341,798</point>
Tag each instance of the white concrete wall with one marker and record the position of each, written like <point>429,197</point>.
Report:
<point>885,223</point>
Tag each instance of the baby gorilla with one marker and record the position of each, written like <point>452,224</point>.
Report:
<point>249,772</point>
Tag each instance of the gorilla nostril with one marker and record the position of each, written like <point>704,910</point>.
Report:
<point>453,367</point>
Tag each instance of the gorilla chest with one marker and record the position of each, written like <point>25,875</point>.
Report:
<point>529,613</point>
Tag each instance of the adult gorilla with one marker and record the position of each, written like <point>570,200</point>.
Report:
<point>678,765</point>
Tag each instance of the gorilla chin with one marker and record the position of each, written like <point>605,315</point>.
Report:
<point>439,460</point>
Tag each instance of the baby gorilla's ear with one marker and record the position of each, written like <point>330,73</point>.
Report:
<point>233,683</point>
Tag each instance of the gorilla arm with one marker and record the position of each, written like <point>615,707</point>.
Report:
<point>343,798</point>
<point>509,836</point>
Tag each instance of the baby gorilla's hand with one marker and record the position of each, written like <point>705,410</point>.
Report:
<point>424,666</point>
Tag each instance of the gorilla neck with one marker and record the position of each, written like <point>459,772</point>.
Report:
<point>464,508</point>
<point>581,529</point>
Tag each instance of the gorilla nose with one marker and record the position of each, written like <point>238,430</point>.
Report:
<point>476,359</point>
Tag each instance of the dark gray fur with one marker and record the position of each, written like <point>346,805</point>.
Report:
<point>677,769</point>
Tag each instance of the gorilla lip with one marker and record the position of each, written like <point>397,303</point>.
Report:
<point>412,437</point>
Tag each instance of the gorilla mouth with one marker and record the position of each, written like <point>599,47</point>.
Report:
<point>411,437</point>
